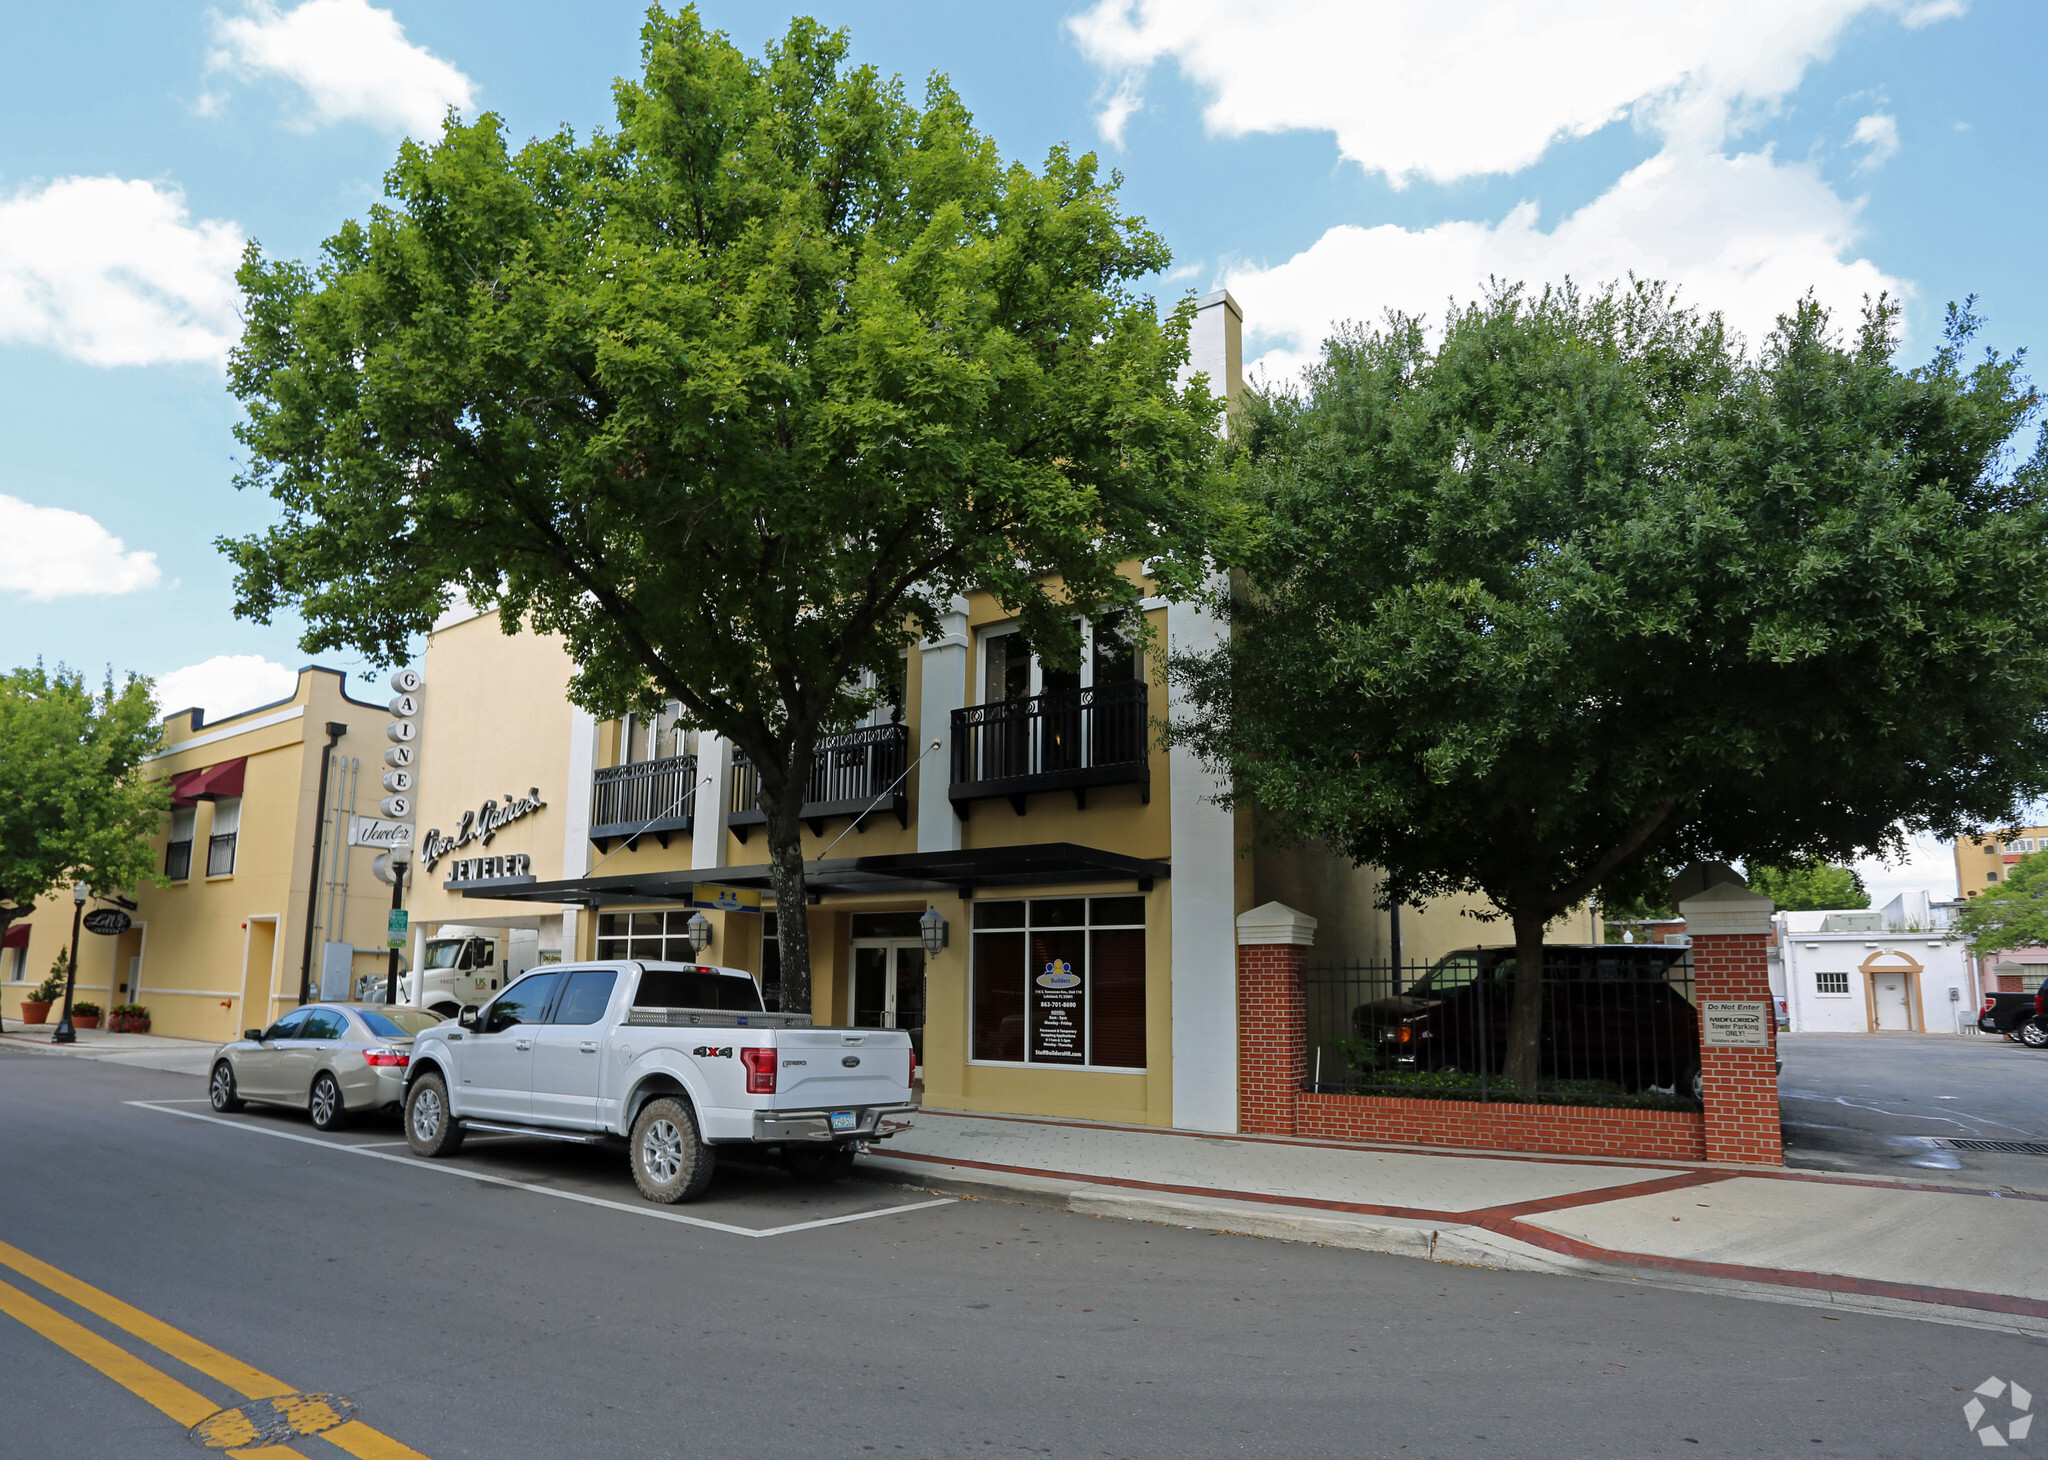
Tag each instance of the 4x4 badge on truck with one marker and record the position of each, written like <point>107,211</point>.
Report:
<point>850,1060</point>
<point>711,1051</point>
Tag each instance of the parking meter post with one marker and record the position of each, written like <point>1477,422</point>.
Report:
<point>397,901</point>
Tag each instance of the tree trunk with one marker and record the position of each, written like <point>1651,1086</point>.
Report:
<point>783,807</point>
<point>1523,1065</point>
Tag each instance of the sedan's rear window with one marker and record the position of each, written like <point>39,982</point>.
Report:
<point>397,1023</point>
<point>696,988</point>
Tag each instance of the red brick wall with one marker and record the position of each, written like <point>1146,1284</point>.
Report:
<point>1741,1085</point>
<point>1570,1130</point>
<point>1272,1036</point>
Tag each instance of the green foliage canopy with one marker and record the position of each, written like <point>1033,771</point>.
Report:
<point>1810,887</point>
<point>2014,914</point>
<point>735,400</point>
<point>1580,593</point>
<point>74,806</point>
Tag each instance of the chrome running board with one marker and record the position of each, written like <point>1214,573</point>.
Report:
<point>573,1137</point>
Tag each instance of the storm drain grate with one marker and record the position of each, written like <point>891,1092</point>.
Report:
<point>2010,1148</point>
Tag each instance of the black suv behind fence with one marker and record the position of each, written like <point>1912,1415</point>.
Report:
<point>1619,1028</point>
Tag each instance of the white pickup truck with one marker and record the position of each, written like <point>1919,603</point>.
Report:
<point>677,1059</point>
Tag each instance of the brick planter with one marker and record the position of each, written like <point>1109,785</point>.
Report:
<point>1566,1130</point>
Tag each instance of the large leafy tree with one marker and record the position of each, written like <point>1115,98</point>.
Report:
<point>1575,591</point>
<point>74,805</point>
<point>734,399</point>
<point>1810,887</point>
<point>2014,914</point>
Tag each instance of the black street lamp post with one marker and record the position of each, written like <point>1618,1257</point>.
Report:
<point>65,1033</point>
<point>397,902</point>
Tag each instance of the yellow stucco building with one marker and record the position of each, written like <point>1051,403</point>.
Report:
<point>225,943</point>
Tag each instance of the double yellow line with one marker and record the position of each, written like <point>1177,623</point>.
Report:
<point>185,1405</point>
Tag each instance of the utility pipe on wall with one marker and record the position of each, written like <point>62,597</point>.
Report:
<point>335,730</point>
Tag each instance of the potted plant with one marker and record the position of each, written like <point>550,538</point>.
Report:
<point>35,1004</point>
<point>85,1014</point>
<point>129,1019</point>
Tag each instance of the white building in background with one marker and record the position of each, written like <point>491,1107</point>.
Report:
<point>1892,970</point>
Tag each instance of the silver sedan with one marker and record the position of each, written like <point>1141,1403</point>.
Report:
<point>331,1060</point>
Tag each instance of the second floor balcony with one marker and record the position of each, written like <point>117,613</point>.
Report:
<point>1062,740</point>
<point>654,798</point>
<point>859,771</point>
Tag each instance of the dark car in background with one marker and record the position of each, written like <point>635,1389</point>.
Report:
<point>2020,1017</point>
<point>1613,1013</point>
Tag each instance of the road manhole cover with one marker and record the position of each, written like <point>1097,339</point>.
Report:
<point>273,1421</point>
<point>2010,1148</point>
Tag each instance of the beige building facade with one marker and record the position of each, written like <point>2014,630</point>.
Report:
<point>246,915</point>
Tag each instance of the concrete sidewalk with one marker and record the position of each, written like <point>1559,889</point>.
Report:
<point>1949,1253</point>
<point>143,1051</point>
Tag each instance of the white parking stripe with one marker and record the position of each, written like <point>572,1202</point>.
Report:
<point>662,1214</point>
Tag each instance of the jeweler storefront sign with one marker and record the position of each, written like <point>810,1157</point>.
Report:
<point>479,826</point>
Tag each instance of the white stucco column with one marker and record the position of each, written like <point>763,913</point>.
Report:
<point>707,832</point>
<point>942,690</point>
<point>1203,835</point>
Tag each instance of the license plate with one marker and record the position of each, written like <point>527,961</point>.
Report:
<point>845,1120</point>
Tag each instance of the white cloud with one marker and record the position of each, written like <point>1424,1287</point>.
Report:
<point>1447,91</point>
<point>114,271</point>
<point>224,685</point>
<point>1878,135</point>
<point>48,553</point>
<point>1744,234</point>
<point>351,59</point>
<point>1928,866</point>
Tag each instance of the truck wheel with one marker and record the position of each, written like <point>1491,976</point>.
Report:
<point>220,1089</point>
<point>325,1105</point>
<point>2034,1034</point>
<point>671,1162</point>
<point>820,1164</point>
<point>429,1128</point>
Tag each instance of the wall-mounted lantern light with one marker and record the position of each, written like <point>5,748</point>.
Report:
<point>932,928</point>
<point>698,931</point>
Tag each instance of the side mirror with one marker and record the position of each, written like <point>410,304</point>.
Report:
<point>255,1035</point>
<point>467,1018</point>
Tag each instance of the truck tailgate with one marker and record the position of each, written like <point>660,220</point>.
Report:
<point>837,1069</point>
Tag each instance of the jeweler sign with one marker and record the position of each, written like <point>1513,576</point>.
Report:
<point>374,831</point>
<point>1735,1024</point>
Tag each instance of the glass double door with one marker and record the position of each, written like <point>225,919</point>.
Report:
<point>888,987</point>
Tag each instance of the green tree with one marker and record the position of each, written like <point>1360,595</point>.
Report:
<point>1579,593</point>
<point>1811,886</point>
<point>2014,914</point>
<point>73,804</point>
<point>734,400</point>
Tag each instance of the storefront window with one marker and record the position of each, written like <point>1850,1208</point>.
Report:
<point>650,937</point>
<point>1060,981</point>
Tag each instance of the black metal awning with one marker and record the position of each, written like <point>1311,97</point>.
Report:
<point>1041,865</point>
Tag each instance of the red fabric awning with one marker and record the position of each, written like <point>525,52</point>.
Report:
<point>210,784</point>
<point>16,936</point>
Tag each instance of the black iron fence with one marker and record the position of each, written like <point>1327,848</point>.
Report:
<point>1618,1028</point>
<point>651,796</point>
<point>852,773</point>
<point>1065,739</point>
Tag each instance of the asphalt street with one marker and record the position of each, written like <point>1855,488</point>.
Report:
<point>1877,1103</point>
<point>547,1312</point>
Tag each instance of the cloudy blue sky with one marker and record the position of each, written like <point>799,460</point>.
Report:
<point>1324,159</point>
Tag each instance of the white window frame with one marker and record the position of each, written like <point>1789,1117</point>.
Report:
<point>1036,684</point>
<point>1820,979</point>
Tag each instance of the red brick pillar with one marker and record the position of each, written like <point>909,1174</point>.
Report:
<point>1730,928</point>
<point>1272,1023</point>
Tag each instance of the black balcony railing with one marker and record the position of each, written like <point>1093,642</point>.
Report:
<point>656,798</point>
<point>860,771</point>
<point>1063,740</point>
